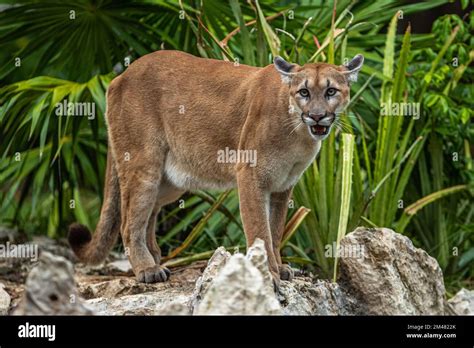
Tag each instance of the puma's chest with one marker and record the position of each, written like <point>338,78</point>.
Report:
<point>291,166</point>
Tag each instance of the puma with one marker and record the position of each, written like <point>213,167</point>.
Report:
<point>170,114</point>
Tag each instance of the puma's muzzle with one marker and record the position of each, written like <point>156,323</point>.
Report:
<point>319,125</point>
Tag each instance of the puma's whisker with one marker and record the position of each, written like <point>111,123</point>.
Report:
<point>297,126</point>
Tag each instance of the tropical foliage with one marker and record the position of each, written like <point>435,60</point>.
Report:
<point>414,174</point>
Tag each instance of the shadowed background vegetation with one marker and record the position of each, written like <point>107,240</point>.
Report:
<point>412,174</point>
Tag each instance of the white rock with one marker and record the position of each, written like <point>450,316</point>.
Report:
<point>121,266</point>
<point>141,304</point>
<point>391,277</point>
<point>214,266</point>
<point>257,255</point>
<point>239,289</point>
<point>50,289</point>
<point>463,302</point>
<point>5,300</point>
<point>302,297</point>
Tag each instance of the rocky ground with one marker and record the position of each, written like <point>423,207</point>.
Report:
<point>390,277</point>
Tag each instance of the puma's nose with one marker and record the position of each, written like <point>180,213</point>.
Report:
<point>325,119</point>
<point>317,117</point>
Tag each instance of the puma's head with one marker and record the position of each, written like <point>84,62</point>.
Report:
<point>318,92</point>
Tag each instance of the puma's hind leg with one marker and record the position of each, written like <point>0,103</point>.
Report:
<point>138,202</point>
<point>166,194</point>
<point>152,244</point>
<point>139,191</point>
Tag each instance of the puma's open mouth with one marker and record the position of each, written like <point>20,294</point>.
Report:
<point>319,130</point>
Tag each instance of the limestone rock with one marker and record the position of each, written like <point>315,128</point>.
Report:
<point>121,295</point>
<point>303,297</point>
<point>4,301</point>
<point>112,288</point>
<point>214,266</point>
<point>176,308</point>
<point>462,303</point>
<point>384,275</point>
<point>122,266</point>
<point>239,289</point>
<point>50,289</point>
<point>257,255</point>
<point>153,303</point>
<point>390,276</point>
<point>54,247</point>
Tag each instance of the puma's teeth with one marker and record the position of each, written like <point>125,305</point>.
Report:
<point>319,130</point>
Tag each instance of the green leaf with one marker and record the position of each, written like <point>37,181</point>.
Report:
<point>272,39</point>
<point>346,185</point>
<point>247,45</point>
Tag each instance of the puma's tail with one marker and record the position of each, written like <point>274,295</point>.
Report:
<point>94,249</point>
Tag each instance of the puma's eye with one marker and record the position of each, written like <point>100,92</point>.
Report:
<point>331,92</point>
<point>304,93</point>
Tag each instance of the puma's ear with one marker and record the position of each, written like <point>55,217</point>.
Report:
<point>285,69</point>
<point>353,67</point>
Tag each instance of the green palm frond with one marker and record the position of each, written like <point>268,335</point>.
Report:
<point>45,151</point>
<point>78,39</point>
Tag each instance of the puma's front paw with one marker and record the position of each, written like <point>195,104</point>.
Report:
<point>286,273</point>
<point>153,274</point>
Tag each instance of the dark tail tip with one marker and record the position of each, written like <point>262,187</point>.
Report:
<point>78,237</point>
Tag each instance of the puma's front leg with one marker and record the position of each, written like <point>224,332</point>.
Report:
<point>254,208</point>
<point>278,211</point>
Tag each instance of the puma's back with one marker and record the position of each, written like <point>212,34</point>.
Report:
<point>200,107</point>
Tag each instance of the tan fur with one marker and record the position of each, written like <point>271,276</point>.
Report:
<point>170,114</point>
